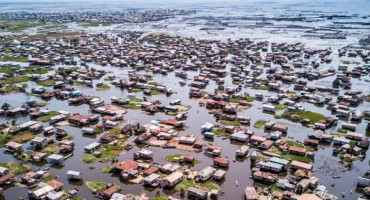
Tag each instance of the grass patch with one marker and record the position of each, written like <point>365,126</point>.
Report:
<point>96,185</point>
<point>220,132</point>
<point>296,158</point>
<point>115,131</point>
<point>153,83</point>
<point>107,169</point>
<point>35,69</point>
<point>46,118</point>
<point>14,80</point>
<point>47,82</point>
<point>136,100</point>
<point>9,89</point>
<point>237,82</point>
<point>134,106</point>
<point>278,116</point>
<point>208,185</point>
<point>23,137</point>
<point>4,138</point>
<point>237,99</point>
<point>263,87</point>
<point>89,158</point>
<point>8,69</point>
<point>173,157</point>
<point>91,167</point>
<point>232,123</point>
<point>136,90</point>
<point>154,92</point>
<point>280,107</point>
<point>50,149</point>
<point>110,152</point>
<point>159,198</point>
<point>259,124</point>
<point>16,168</point>
<point>14,59</point>
<point>93,24</point>
<point>41,104</point>
<point>296,144</point>
<point>342,130</point>
<point>299,115</point>
<point>103,87</point>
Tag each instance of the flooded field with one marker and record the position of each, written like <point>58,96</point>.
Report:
<point>196,44</point>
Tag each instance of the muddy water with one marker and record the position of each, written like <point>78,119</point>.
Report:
<point>239,171</point>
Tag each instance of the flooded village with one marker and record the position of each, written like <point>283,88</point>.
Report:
<point>91,110</point>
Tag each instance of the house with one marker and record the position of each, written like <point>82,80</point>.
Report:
<point>144,154</point>
<point>206,173</point>
<point>264,177</point>
<point>270,166</point>
<point>280,161</point>
<point>109,191</point>
<point>74,175</point>
<point>40,192</point>
<point>340,141</point>
<point>187,140</point>
<point>285,184</point>
<point>92,147</point>
<point>213,150</point>
<point>297,151</point>
<point>55,196</point>
<point>172,179</point>
<point>239,136</point>
<point>39,142</point>
<point>125,166</point>
<point>29,178</point>
<point>354,136</point>
<point>275,135</point>
<point>300,165</point>
<point>250,193</point>
<point>4,171</point>
<point>209,135</point>
<point>12,147</point>
<point>219,175</point>
<point>7,179</point>
<point>150,170</point>
<point>152,179</point>
<point>169,168</point>
<point>313,143</point>
<point>55,159</point>
<point>195,193</point>
<point>268,108</point>
<point>255,139</point>
<point>304,184</point>
<point>266,144</point>
<point>220,162</point>
<point>88,131</point>
<point>279,127</point>
<point>242,151</point>
<point>349,126</point>
<point>364,180</point>
<point>38,156</point>
<point>57,186</point>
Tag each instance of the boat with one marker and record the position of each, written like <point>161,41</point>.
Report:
<point>336,176</point>
<point>236,183</point>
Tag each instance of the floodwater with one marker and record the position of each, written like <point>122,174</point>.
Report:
<point>197,117</point>
<point>208,16</point>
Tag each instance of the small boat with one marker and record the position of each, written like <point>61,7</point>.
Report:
<point>236,183</point>
<point>344,194</point>
<point>336,176</point>
<point>233,159</point>
<point>226,155</point>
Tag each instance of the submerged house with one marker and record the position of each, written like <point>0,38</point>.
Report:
<point>172,179</point>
